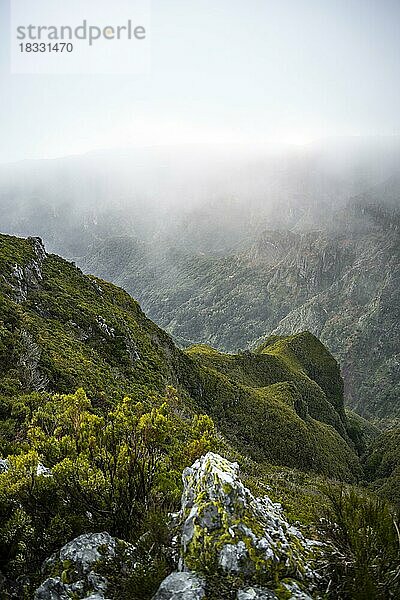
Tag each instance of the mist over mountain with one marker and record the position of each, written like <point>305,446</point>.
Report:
<point>340,284</point>
<point>224,245</point>
<point>202,198</point>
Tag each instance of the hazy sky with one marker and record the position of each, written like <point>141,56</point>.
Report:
<point>223,71</point>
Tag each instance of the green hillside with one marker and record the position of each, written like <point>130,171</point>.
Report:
<point>62,330</point>
<point>100,412</point>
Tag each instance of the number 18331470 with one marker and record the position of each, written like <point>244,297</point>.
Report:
<point>46,47</point>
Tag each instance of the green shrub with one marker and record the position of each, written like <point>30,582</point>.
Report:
<point>364,557</point>
<point>108,472</point>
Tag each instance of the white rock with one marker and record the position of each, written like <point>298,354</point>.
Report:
<point>84,550</point>
<point>256,593</point>
<point>83,555</point>
<point>181,586</point>
<point>4,465</point>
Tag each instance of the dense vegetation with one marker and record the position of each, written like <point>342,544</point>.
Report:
<point>108,471</point>
<point>364,560</point>
<point>100,412</point>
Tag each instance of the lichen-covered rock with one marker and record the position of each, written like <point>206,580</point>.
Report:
<point>77,569</point>
<point>23,279</point>
<point>181,586</point>
<point>256,593</point>
<point>52,589</point>
<point>29,360</point>
<point>225,528</point>
<point>292,591</point>
<point>87,549</point>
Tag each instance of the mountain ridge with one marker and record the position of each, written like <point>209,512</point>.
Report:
<point>342,286</point>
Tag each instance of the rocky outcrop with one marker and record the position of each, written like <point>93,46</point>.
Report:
<point>77,570</point>
<point>224,529</point>
<point>23,278</point>
<point>225,536</point>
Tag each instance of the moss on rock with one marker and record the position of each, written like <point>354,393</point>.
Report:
<point>225,529</point>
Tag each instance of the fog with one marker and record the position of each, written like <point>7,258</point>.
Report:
<point>196,149</point>
<point>177,193</point>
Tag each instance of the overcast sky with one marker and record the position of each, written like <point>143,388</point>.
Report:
<point>222,71</point>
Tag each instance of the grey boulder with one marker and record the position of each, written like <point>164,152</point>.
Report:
<point>79,566</point>
<point>181,586</point>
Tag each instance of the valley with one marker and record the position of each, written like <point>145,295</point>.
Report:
<point>100,414</point>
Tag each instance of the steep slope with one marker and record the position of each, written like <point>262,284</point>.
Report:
<point>270,405</point>
<point>356,316</point>
<point>62,330</point>
<point>342,285</point>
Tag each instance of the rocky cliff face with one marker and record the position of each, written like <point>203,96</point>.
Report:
<point>351,305</point>
<point>24,278</point>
